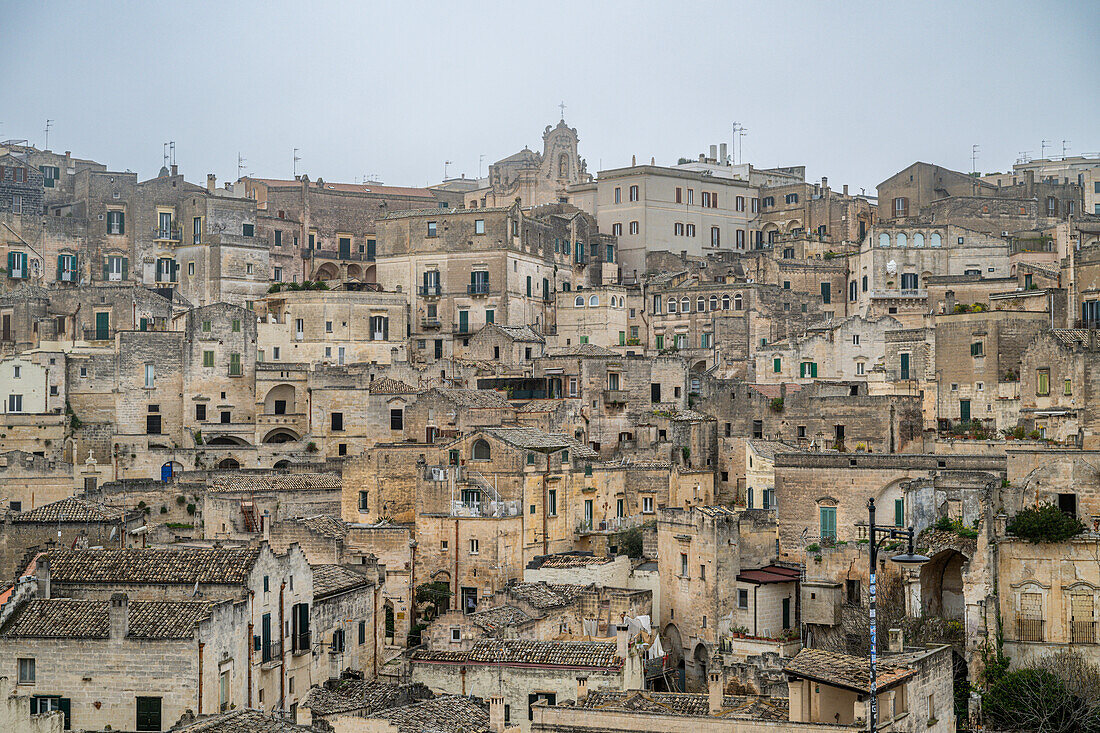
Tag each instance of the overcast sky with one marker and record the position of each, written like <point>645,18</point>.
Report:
<point>854,91</point>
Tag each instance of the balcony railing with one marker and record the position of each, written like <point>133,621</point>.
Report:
<point>1083,632</point>
<point>1029,629</point>
<point>478,289</point>
<point>430,323</point>
<point>272,651</point>
<point>330,255</point>
<point>429,291</point>
<point>616,396</point>
<point>168,234</point>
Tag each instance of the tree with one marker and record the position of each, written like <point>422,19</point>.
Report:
<point>1045,523</point>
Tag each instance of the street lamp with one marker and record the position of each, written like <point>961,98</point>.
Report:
<point>909,558</point>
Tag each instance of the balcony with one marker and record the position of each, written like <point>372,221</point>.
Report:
<point>430,323</point>
<point>1029,629</point>
<point>478,288</point>
<point>272,653</point>
<point>168,234</point>
<point>429,291</point>
<point>330,255</point>
<point>615,396</point>
<point>99,334</point>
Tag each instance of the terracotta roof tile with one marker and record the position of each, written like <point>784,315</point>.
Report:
<point>843,670</point>
<point>332,579</point>
<point>162,566</point>
<point>82,619</point>
<point>70,510</point>
<point>496,619</point>
<point>242,720</point>
<point>386,385</point>
<point>276,482</point>
<point>506,652</point>
<point>341,696</point>
<point>696,705</point>
<point>442,715</point>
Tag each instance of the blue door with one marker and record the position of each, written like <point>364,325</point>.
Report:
<point>166,472</point>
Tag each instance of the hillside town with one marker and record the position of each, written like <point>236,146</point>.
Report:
<point>736,450</point>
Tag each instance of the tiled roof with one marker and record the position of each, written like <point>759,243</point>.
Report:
<point>524,334</point>
<point>546,595</point>
<point>689,416</point>
<point>56,618</point>
<point>70,510</point>
<point>475,398</point>
<point>325,525</point>
<point>495,619</point>
<point>696,705</point>
<point>341,696</point>
<point>715,511</point>
<point>351,187</point>
<point>276,482</point>
<point>768,448</point>
<point>567,560</point>
<point>332,579</point>
<point>583,350</point>
<point>769,574</point>
<point>842,670</point>
<point>242,720</point>
<point>1071,336</point>
<point>446,714</point>
<point>409,213</point>
<point>571,654</point>
<point>386,385</point>
<point>162,566</point>
<point>535,439</point>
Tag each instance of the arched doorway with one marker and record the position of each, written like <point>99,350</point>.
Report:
<point>354,272</point>
<point>674,648</point>
<point>279,400</point>
<point>387,609</point>
<point>697,678</point>
<point>229,464</point>
<point>281,465</point>
<point>941,585</point>
<point>170,469</point>
<point>326,271</point>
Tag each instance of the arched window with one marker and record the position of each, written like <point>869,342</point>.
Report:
<point>725,302</point>
<point>685,305</point>
<point>884,240</point>
<point>714,302</point>
<point>672,305</point>
<point>738,303</point>
<point>918,240</point>
<point>579,302</point>
<point>482,452</point>
<point>935,240</point>
<point>701,304</point>
<point>594,301</point>
<point>903,241</point>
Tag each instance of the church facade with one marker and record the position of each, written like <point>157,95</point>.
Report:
<point>534,178</point>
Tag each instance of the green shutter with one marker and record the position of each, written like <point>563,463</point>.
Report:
<point>125,267</point>
<point>121,223</point>
<point>813,369</point>
<point>802,370</point>
<point>660,342</point>
<point>899,512</point>
<point>59,268</point>
<point>11,263</point>
<point>106,267</point>
<point>777,365</point>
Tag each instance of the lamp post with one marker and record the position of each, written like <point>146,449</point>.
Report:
<point>909,558</point>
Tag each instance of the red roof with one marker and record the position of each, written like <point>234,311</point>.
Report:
<point>769,574</point>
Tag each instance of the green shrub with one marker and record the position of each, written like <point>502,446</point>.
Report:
<point>1034,435</point>
<point>776,404</point>
<point>191,508</point>
<point>1045,523</point>
<point>813,548</point>
<point>275,287</point>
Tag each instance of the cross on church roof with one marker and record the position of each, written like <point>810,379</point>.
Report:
<point>562,106</point>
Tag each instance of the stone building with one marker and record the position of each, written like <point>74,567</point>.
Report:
<point>532,178</point>
<point>29,481</point>
<point>793,210</point>
<point>21,188</point>
<point>1058,387</point>
<point>526,672</point>
<point>847,349</point>
<point>513,347</point>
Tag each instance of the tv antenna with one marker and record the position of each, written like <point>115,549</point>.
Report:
<point>1043,148</point>
<point>1025,156</point>
<point>445,164</point>
<point>240,165</point>
<point>974,150</point>
<point>739,131</point>
<point>294,165</point>
<point>1065,147</point>
<point>480,160</point>
<point>49,124</point>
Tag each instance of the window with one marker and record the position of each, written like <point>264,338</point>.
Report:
<point>431,229</point>
<point>475,546</point>
<point>826,293</point>
<point>397,418</point>
<point>150,376</point>
<point>901,207</point>
<point>148,714</point>
<point>738,303</point>
<point>617,229</point>
<point>777,365</point>
<point>1067,387</point>
<point>909,281</point>
<point>758,429</point>
<point>742,598</point>
<point>678,229</point>
<point>634,227</point>
<point>683,565</point>
<point>235,364</point>
<point>248,230</point>
<point>152,422</point>
<point>899,512</point>
<point>337,421</point>
<point>26,670</point>
<point>690,230</point>
<point>1042,386</point>
<point>791,198</point>
<point>702,576</point>
<point>364,503</point>
<point>828,522</point>
<point>481,451</point>
<point>647,504</point>
<point>977,348</point>
<point>278,277</point>
<point>633,193</point>
<point>619,195</point>
<point>479,226</point>
<point>200,411</point>
<point>852,592</point>
<point>552,502</point>
<point>116,222</point>
<point>715,237</point>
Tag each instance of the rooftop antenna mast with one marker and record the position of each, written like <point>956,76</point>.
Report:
<point>480,160</point>
<point>172,151</point>
<point>1065,147</point>
<point>49,124</point>
<point>294,165</point>
<point>1043,148</point>
<point>739,131</point>
<point>1025,156</point>
<point>445,164</point>
<point>974,150</point>
<point>164,155</point>
<point>240,165</point>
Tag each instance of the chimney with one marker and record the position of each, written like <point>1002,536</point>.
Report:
<point>211,182</point>
<point>824,182</point>
<point>633,160</point>
<point>68,154</point>
<point>42,572</point>
<point>714,691</point>
<point>949,301</point>
<point>120,616</point>
<point>896,641</point>
<point>175,170</point>
<point>714,152</point>
<point>622,641</point>
<point>722,154</point>
<point>266,522</point>
<point>582,687</point>
<point>702,157</point>
<point>496,713</point>
<point>845,189</point>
